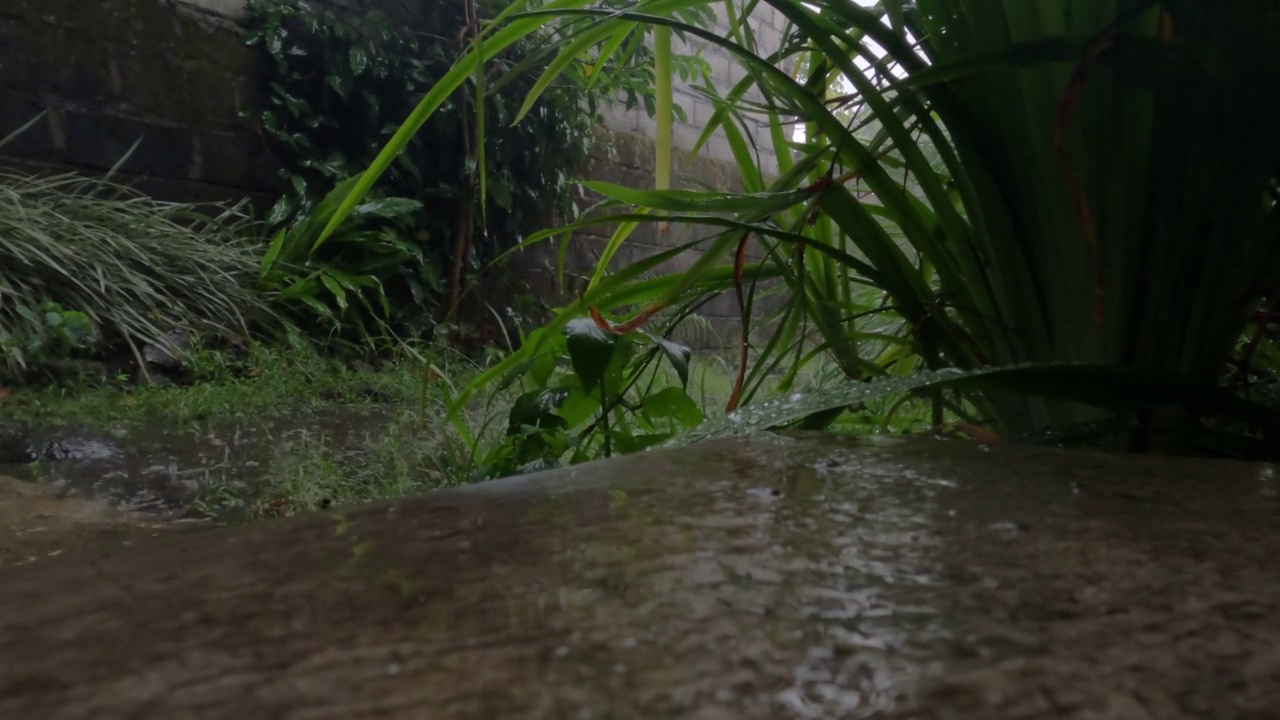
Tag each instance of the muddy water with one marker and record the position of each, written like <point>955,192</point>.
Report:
<point>158,468</point>
<point>38,523</point>
<point>812,577</point>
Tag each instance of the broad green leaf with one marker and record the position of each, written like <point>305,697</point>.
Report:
<point>578,407</point>
<point>590,350</point>
<point>336,288</point>
<point>536,409</point>
<point>359,60</point>
<point>673,403</point>
<point>542,367</point>
<point>678,355</point>
<point>628,443</point>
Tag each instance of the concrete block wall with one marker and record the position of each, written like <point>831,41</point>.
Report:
<point>111,73</point>
<point>625,158</point>
<point>769,27</point>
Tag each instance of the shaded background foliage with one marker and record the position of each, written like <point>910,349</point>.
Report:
<point>341,80</point>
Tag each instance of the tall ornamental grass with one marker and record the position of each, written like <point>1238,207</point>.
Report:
<point>137,267</point>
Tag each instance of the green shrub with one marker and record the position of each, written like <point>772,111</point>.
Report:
<point>341,285</point>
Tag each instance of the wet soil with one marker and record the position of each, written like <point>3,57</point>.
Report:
<point>808,577</point>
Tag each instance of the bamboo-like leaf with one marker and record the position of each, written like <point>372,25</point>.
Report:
<point>662,117</point>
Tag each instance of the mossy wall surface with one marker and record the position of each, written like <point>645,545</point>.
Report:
<point>110,73</point>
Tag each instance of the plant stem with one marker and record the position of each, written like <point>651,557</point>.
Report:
<point>662,114</point>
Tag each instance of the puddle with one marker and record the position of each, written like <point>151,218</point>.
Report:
<point>159,468</point>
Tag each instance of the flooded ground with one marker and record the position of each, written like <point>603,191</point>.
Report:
<point>38,523</point>
<point>160,467</point>
<point>811,577</point>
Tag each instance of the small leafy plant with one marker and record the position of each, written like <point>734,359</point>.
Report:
<point>49,332</point>
<point>342,281</point>
<point>587,393</point>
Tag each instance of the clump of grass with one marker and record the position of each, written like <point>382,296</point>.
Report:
<point>137,267</point>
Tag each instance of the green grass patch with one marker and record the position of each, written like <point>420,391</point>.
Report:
<point>230,385</point>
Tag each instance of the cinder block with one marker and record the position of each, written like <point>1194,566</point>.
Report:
<point>233,9</point>
<point>718,148</point>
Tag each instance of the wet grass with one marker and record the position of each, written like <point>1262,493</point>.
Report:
<point>397,441</point>
<point>400,455</point>
<point>228,385</point>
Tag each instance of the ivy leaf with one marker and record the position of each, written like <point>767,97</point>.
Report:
<point>275,43</point>
<point>339,85</point>
<point>590,350</point>
<point>359,60</point>
<point>501,194</point>
<point>281,211</point>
